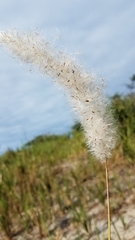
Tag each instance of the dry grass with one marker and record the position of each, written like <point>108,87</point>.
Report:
<point>53,187</point>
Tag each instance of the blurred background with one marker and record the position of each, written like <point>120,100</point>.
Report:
<point>100,34</point>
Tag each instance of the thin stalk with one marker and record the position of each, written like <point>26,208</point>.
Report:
<point>108,201</point>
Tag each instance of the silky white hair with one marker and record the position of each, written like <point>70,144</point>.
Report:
<point>86,94</point>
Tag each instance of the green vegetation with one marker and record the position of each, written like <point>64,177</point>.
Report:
<point>125,112</point>
<point>53,183</point>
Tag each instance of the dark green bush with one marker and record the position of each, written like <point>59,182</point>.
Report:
<point>124,109</point>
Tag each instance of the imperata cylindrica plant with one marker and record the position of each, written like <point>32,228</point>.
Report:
<point>85,92</point>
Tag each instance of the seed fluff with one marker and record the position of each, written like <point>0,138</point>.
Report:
<point>85,93</point>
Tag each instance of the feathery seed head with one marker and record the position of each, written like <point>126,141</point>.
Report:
<point>85,93</point>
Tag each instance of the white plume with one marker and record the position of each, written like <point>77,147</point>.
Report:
<point>85,92</point>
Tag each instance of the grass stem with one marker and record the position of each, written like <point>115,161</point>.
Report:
<point>108,201</point>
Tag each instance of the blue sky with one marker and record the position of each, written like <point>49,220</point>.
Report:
<point>100,33</point>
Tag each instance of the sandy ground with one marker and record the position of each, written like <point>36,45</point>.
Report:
<point>122,228</point>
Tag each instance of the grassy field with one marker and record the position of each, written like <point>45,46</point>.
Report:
<point>53,186</point>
